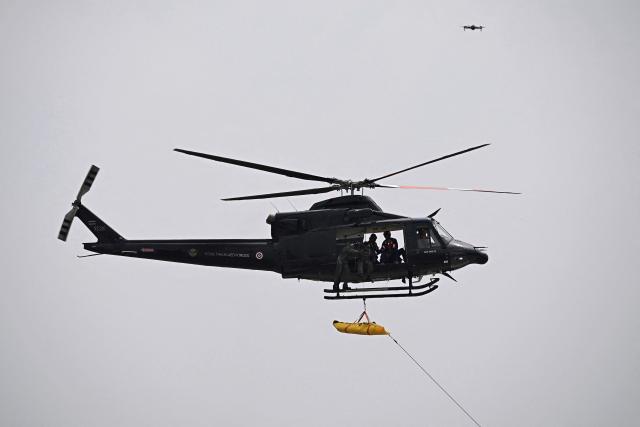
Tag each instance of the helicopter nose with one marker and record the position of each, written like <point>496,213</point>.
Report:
<point>481,257</point>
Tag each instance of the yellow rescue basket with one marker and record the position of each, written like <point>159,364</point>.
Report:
<point>363,328</point>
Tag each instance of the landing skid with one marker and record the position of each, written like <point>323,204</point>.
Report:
<point>374,292</point>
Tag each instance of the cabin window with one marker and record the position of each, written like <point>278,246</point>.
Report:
<point>425,239</point>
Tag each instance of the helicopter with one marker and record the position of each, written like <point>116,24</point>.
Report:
<point>324,243</point>
<point>473,27</point>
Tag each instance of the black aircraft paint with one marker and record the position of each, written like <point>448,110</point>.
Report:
<point>306,244</point>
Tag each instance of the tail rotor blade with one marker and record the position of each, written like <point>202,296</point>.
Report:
<point>88,182</point>
<point>66,224</point>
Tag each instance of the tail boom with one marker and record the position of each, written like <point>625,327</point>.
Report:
<point>253,254</point>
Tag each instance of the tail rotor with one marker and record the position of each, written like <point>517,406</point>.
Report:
<point>84,189</point>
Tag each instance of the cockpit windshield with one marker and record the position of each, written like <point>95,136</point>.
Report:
<point>444,234</point>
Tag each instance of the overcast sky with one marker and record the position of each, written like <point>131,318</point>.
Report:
<point>546,333</point>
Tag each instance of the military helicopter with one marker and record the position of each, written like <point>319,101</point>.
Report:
<point>324,243</point>
<point>473,27</point>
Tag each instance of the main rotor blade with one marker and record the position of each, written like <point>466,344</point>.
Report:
<point>286,193</point>
<point>279,171</point>
<point>425,187</point>
<point>429,162</point>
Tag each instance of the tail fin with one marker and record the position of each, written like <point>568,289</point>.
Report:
<point>99,228</point>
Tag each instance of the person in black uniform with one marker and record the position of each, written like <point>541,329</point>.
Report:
<point>373,248</point>
<point>389,252</point>
<point>358,252</point>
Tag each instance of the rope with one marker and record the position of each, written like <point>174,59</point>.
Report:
<point>364,312</point>
<point>436,382</point>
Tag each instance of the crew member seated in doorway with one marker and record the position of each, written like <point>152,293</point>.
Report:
<point>389,252</point>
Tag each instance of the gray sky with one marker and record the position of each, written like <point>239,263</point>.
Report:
<point>546,333</point>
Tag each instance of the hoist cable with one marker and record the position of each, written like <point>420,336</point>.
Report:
<point>436,382</point>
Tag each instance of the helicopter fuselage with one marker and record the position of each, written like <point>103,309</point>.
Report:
<point>307,244</point>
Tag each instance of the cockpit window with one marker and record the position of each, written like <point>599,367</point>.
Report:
<point>444,235</point>
<point>425,239</point>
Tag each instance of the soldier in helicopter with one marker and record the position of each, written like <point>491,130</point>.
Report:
<point>374,248</point>
<point>389,252</point>
<point>358,252</point>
